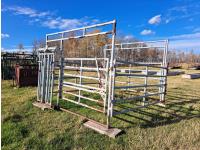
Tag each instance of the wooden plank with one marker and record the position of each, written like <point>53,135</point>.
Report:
<point>102,129</point>
<point>43,106</point>
<point>191,76</point>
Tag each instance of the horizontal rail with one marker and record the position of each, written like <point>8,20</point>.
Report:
<point>138,75</point>
<point>46,53</point>
<point>76,37</point>
<point>80,59</point>
<point>138,86</point>
<point>84,86</point>
<point>82,89</point>
<point>122,82</point>
<point>84,68</point>
<point>140,42</point>
<point>132,48</point>
<point>151,78</point>
<point>136,97</point>
<point>84,77</point>
<point>101,102</point>
<point>140,64</point>
<point>84,105</point>
<point>151,63</point>
<point>82,28</point>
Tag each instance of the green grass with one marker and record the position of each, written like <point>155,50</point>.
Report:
<point>175,127</point>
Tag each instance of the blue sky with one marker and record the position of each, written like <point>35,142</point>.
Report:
<point>176,20</point>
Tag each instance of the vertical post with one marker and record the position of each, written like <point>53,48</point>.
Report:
<point>160,81</point>
<point>38,86</point>
<point>80,80</point>
<point>145,87</point>
<point>129,79</point>
<point>105,84</point>
<point>49,84</point>
<point>60,84</point>
<point>98,74</point>
<point>111,76</point>
<point>52,78</point>
<point>43,77</point>
<point>39,78</point>
<point>47,79</point>
<point>165,70</point>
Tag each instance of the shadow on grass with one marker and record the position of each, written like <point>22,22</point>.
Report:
<point>181,107</point>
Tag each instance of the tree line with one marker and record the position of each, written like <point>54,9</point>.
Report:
<point>94,47</point>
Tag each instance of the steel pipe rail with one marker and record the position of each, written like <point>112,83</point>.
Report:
<point>83,68</point>
<point>87,27</point>
<point>84,86</point>
<point>101,102</point>
<point>86,59</point>
<point>141,64</point>
<point>139,86</point>
<point>82,104</point>
<point>83,89</point>
<point>84,77</point>
<point>139,75</point>
<point>140,42</point>
<point>84,32</point>
<point>135,97</point>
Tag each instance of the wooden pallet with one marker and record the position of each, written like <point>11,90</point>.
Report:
<point>43,106</point>
<point>102,129</point>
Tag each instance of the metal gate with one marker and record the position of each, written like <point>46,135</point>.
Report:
<point>45,75</point>
<point>83,77</point>
<point>73,71</point>
<point>142,79</point>
<point>76,75</point>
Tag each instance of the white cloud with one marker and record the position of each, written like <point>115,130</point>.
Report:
<point>4,35</point>
<point>167,21</point>
<point>189,12</point>
<point>61,23</point>
<point>147,32</point>
<point>27,11</point>
<point>155,20</point>
<point>50,20</point>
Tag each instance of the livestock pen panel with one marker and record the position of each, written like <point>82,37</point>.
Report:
<point>93,71</point>
<point>140,75</point>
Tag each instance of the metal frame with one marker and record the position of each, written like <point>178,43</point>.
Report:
<point>162,77</point>
<point>106,87</point>
<point>110,70</point>
<point>45,75</point>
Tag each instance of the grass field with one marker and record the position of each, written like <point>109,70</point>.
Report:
<point>175,127</point>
